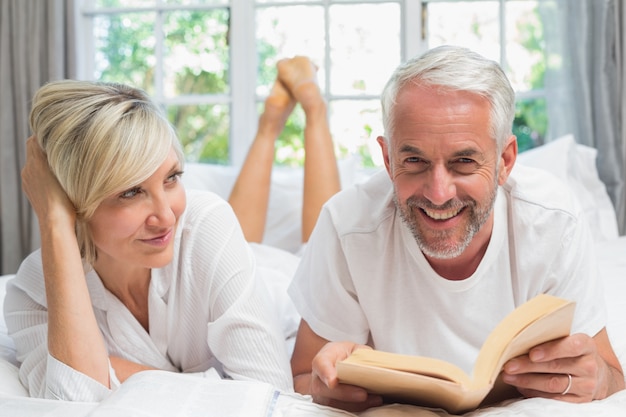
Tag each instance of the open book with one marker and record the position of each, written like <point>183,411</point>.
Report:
<point>436,383</point>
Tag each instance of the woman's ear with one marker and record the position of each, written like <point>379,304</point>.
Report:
<point>507,159</point>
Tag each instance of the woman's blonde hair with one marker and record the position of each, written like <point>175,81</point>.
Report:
<point>100,138</point>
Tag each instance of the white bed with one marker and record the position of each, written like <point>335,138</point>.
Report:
<point>573,163</point>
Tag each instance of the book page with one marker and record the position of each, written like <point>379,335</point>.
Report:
<point>17,406</point>
<point>168,394</point>
<point>537,321</point>
<point>408,387</point>
<point>430,367</point>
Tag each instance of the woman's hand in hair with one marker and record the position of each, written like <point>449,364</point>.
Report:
<point>46,196</point>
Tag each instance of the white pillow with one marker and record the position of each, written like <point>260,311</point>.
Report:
<point>283,224</point>
<point>576,165</point>
<point>612,264</point>
<point>9,379</point>
<point>7,348</point>
<point>10,384</point>
<point>284,221</point>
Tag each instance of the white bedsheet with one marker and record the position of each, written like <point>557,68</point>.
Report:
<point>170,396</point>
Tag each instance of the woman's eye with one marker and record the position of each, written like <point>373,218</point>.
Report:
<point>175,177</point>
<point>130,193</point>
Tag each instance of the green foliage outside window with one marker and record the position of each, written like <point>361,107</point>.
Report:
<point>196,61</point>
<point>531,120</point>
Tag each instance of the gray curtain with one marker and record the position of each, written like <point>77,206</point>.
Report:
<point>36,46</point>
<point>586,83</point>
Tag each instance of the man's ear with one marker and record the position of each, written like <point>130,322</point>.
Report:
<point>384,147</point>
<point>507,159</point>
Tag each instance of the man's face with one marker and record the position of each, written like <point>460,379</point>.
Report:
<point>444,167</point>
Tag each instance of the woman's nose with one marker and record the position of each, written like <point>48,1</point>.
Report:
<point>161,212</point>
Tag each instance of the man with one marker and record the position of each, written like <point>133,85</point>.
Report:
<point>427,257</point>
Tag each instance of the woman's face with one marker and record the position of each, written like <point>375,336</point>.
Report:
<point>136,227</point>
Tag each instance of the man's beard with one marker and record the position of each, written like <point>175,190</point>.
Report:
<point>440,247</point>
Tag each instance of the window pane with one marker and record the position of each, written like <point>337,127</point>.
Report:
<point>192,2</point>
<point>152,3</point>
<point>366,50</point>
<point>196,58</point>
<point>355,125</point>
<point>290,142</point>
<point>473,24</point>
<point>124,3</point>
<point>531,123</point>
<point>524,45</point>
<point>286,1</point>
<point>476,26</point>
<point>124,49</point>
<point>203,131</point>
<point>285,32</point>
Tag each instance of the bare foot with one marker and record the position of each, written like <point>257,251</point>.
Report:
<point>278,106</point>
<point>299,75</point>
<point>279,101</point>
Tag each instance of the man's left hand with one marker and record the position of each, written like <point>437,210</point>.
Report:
<point>570,369</point>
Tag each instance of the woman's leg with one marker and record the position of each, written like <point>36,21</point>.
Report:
<point>321,175</point>
<point>250,195</point>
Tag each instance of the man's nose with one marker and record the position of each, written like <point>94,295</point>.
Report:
<point>440,186</point>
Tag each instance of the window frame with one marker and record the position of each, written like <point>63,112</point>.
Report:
<point>242,99</point>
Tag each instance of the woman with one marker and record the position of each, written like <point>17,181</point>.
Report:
<point>133,273</point>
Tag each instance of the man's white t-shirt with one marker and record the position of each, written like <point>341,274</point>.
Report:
<point>363,278</point>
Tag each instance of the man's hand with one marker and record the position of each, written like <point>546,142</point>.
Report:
<point>576,368</point>
<point>325,387</point>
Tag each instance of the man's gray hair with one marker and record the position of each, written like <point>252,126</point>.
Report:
<point>461,69</point>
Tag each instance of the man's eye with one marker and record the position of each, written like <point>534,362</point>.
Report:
<point>464,165</point>
<point>130,193</point>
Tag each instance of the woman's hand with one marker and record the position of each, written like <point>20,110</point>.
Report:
<point>46,196</point>
<point>74,337</point>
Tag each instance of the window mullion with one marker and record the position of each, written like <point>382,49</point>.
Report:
<point>85,45</point>
<point>413,43</point>
<point>243,72</point>
<point>503,58</point>
<point>327,54</point>
<point>159,36</point>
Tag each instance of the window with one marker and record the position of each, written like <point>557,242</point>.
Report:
<point>507,31</point>
<point>210,63</point>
